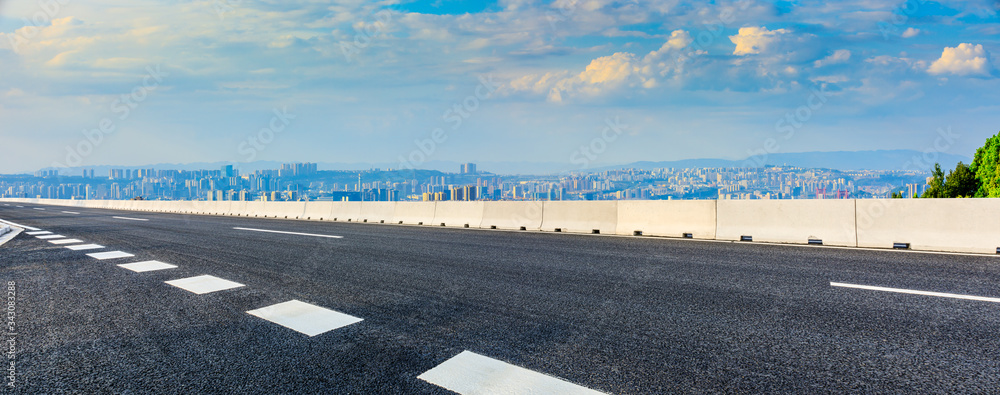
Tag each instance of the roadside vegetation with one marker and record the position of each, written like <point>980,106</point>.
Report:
<point>981,179</point>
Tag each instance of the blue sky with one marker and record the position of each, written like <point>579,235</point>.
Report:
<point>517,80</point>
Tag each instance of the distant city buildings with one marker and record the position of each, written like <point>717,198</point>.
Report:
<point>303,181</point>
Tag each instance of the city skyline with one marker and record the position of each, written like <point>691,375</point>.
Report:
<point>305,182</point>
<point>587,83</point>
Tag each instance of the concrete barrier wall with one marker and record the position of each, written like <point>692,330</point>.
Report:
<point>156,206</point>
<point>219,208</point>
<point>513,215</point>
<point>377,212</point>
<point>580,217</point>
<point>950,225</point>
<point>285,210</point>
<point>237,209</point>
<point>317,211</point>
<point>413,213</point>
<point>458,214</point>
<point>182,206</point>
<point>345,211</point>
<point>788,221</point>
<point>199,207</point>
<point>669,218</point>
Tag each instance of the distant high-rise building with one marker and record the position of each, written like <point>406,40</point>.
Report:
<point>468,168</point>
<point>227,171</point>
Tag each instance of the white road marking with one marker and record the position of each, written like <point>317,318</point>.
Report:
<point>71,212</point>
<point>83,247</point>
<point>471,373</point>
<point>147,266</point>
<point>304,318</point>
<point>204,284</point>
<point>47,237</point>
<point>110,255</point>
<point>19,226</point>
<point>38,233</point>
<point>289,233</point>
<point>36,208</point>
<point>20,206</point>
<point>913,292</point>
<point>65,241</point>
<point>131,219</point>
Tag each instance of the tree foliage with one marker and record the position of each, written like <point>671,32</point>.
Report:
<point>961,182</point>
<point>986,167</point>
<point>935,185</point>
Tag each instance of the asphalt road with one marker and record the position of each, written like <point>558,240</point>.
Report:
<point>626,315</point>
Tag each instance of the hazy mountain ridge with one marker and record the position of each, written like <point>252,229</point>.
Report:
<point>838,160</point>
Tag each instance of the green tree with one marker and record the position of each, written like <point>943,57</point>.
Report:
<point>961,182</point>
<point>986,167</point>
<point>935,186</point>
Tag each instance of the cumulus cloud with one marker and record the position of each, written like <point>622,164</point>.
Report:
<point>754,40</point>
<point>838,56</point>
<point>911,32</point>
<point>607,73</point>
<point>964,60</point>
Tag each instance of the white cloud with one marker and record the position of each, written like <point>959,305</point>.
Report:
<point>838,56</point>
<point>607,73</point>
<point>754,40</point>
<point>964,60</point>
<point>911,32</point>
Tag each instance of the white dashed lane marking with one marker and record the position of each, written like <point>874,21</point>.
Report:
<point>471,373</point>
<point>147,266</point>
<point>110,255</point>
<point>289,233</point>
<point>130,219</point>
<point>84,247</point>
<point>204,284</point>
<point>65,241</point>
<point>71,212</point>
<point>48,237</point>
<point>37,233</point>
<point>304,318</point>
<point>913,292</point>
<point>42,209</point>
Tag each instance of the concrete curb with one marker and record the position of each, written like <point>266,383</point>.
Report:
<point>8,233</point>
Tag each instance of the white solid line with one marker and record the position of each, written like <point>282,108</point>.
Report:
<point>70,212</point>
<point>83,247</point>
<point>131,219</point>
<point>204,284</point>
<point>471,373</point>
<point>110,255</point>
<point>909,291</point>
<point>304,318</point>
<point>148,266</point>
<point>65,241</point>
<point>290,233</point>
